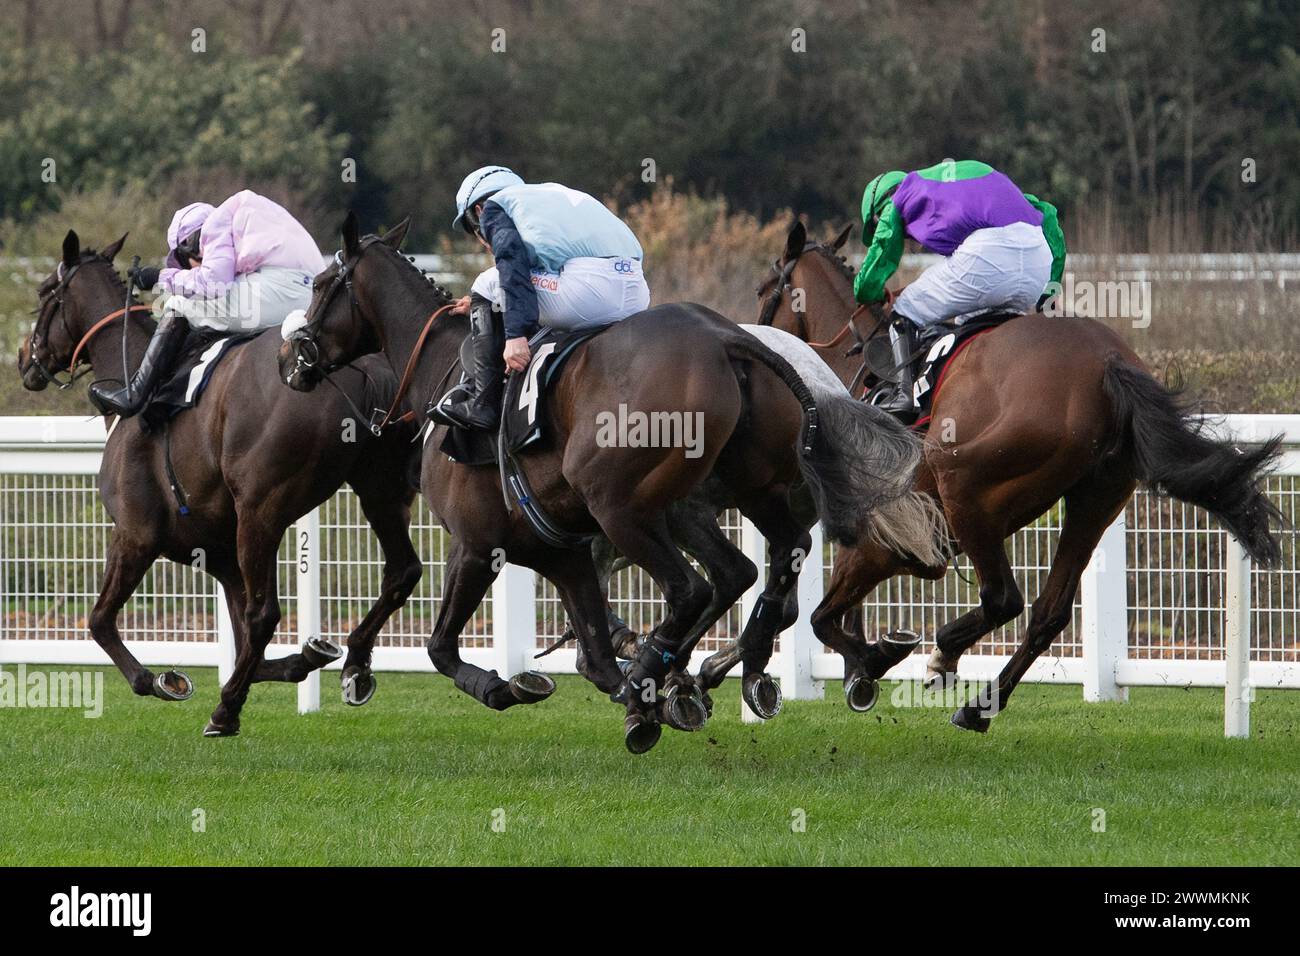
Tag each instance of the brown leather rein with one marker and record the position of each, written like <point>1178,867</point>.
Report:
<point>94,330</point>
<point>408,373</point>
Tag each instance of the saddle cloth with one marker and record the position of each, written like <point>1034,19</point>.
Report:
<point>526,398</point>
<point>189,377</point>
<point>943,343</point>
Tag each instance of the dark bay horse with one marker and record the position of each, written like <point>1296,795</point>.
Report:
<point>252,457</point>
<point>763,434</point>
<point>1037,410</point>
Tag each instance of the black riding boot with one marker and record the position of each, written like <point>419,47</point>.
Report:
<point>901,404</point>
<point>159,354</point>
<point>481,408</point>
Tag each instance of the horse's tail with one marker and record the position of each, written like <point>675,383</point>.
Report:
<point>859,464</point>
<point>1165,445</point>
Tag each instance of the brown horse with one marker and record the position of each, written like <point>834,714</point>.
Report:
<point>1037,410</point>
<point>763,435</point>
<point>251,458</point>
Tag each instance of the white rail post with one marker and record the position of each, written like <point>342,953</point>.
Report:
<point>1237,691</point>
<point>514,619</point>
<point>1105,615</point>
<point>755,548</point>
<point>225,639</point>
<point>799,643</point>
<point>307,538</point>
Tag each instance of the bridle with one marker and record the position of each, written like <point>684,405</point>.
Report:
<point>783,272</point>
<point>39,338</point>
<point>308,337</point>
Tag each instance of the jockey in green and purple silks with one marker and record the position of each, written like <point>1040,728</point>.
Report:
<point>1003,250</point>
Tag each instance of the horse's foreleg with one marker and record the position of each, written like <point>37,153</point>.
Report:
<point>981,535</point>
<point>465,582</point>
<point>126,566</point>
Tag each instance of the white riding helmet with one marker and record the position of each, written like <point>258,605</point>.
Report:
<point>481,183</point>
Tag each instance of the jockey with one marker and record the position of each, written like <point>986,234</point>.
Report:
<point>562,260</point>
<point>242,266</point>
<point>1003,250</point>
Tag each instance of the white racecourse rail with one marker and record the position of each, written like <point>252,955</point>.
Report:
<point>1168,599</point>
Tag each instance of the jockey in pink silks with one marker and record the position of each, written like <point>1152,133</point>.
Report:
<point>238,267</point>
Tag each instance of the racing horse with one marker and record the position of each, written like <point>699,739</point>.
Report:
<point>763,433</point>
<point>1038,409</point>
<point>249,459</point>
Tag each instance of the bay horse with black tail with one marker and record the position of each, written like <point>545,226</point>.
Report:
<point>251,458</point>
<point>1038,409</point>
<point>763,433</point>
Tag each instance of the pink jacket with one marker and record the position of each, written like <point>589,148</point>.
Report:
<point>243,234</point>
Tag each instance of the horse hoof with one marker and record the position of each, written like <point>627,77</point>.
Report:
<point>214,729</point>
<point>626,644</point>
<point>685,711</point>
<point>640,733</point>
<point>970,718</point>
<point>897,646</point>
<point>861,693</point>
<point>359,687</point>
<point>173,685</point>
<point>531,687</point>
<point>939,674</point>
<point>318,651</point>
<point>762,695</point>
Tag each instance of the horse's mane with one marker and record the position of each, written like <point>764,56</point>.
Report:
<point>442,292</point>
<point>89,255</point>
<point>837,260</point>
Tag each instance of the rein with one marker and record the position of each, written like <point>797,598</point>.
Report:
<point>37,338</point>
<point>94,329</point>
<point>307,336</point>
<point>405,384</point>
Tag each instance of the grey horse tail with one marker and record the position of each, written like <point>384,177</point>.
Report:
<point>859,464</point>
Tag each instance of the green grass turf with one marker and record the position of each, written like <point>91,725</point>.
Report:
<point>415,776</point>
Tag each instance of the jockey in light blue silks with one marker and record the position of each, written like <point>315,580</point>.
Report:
<point>562,260</point>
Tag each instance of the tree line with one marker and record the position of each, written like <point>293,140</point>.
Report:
<point>1151,123</point>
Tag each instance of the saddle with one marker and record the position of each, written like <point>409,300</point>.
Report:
<point>187,380</point>
<point>524,416</point>
<point>939,345</point>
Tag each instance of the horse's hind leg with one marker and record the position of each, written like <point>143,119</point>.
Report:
<point>1089,510</point>
<point>127,563</point>
<point>695,529</point>
<point>645,540</point>
<point>775,610</point>
<point>387,506</point>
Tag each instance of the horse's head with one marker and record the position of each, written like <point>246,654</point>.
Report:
<point>808,292</point>
<point>801,293</point>
<point>339,324</point>
<point>83,288</point>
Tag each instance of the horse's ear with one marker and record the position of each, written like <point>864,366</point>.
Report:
<point>795,241</point>
<point>842,238</point>
<point>394,237</point>
<point>71,249</point>
<point>351,234</point>
<point>113,248</point>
